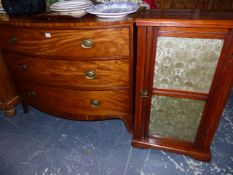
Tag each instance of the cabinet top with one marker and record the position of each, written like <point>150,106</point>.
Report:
<point>186,18</point>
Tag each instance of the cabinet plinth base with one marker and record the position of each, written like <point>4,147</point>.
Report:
<point>186,150</point>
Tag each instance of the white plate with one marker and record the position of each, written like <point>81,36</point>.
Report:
<point>72,2</point>
<point>114,9</point>
<point>82,6</point>
<point>111,16</point>
<point>69,3</point>
<point>69,6</point>
<point>74,5</point>
<point>70,9</point>
<point>74,14</point>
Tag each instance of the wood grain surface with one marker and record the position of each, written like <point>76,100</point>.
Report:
<point>75,102</point>
<point>109,74</point>
<point>66,43</point>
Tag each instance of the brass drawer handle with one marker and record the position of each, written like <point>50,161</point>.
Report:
<point>87,43</point>
<point>95,103</point>
<point>31,94</point>
<point>12,40</point>
<point>90,74</point>
<point>22,67</point>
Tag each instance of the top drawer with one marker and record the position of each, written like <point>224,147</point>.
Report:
<point>67,43</point>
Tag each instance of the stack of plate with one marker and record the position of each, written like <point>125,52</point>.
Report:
<point>75,8</point>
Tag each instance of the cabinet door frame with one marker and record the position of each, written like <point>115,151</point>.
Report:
<point>147,41</point>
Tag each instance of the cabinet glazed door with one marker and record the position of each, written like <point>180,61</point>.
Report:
<point>182,65</point>
<point>177,76</point>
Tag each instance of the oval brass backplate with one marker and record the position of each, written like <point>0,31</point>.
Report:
<point>32,94</point>
<point>12,40</point>
<point>90,74</point>
<point>87,43</point>
<point>22,67</point>
<point>95,103</point>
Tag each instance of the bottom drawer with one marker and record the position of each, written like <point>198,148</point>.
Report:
<point>75,102</point>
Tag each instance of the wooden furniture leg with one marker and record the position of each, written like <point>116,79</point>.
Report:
<point>8,97</point>
<point>25,108</point>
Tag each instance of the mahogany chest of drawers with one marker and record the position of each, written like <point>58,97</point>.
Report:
<point>74,68</point>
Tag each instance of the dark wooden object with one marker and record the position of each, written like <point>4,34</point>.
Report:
<point>8,97</point>
<point>196,4</point>
<point>76,68</point>
<point>182,24</point>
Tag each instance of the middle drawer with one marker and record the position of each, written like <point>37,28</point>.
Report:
<point>77,74</point>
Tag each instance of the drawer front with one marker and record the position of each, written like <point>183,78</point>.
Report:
<point>67,43</point>
<point>75,102</point>
<point>95,74</point>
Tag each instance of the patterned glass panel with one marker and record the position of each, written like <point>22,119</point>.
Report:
<point>175,117</point>
<point>186,63</point>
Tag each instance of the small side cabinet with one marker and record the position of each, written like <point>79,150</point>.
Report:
<point>183,79</point>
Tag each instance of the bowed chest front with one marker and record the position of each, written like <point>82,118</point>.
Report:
<point>184,76</point>
<point>74,68</point>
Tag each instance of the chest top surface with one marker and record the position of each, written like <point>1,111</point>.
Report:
<point>49,19</point>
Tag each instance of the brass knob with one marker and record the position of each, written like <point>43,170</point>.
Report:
<point>12,40</point>
<point>90,74</point>
<point>95,103</point>
<point>31,94</point>
<point>144,93</point>
<point>87,43</point>
<point>22,67</point>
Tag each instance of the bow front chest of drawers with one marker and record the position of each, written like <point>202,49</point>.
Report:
<point>74,68</point>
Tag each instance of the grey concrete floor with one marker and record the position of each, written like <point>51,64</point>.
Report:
<point>40,144</point>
